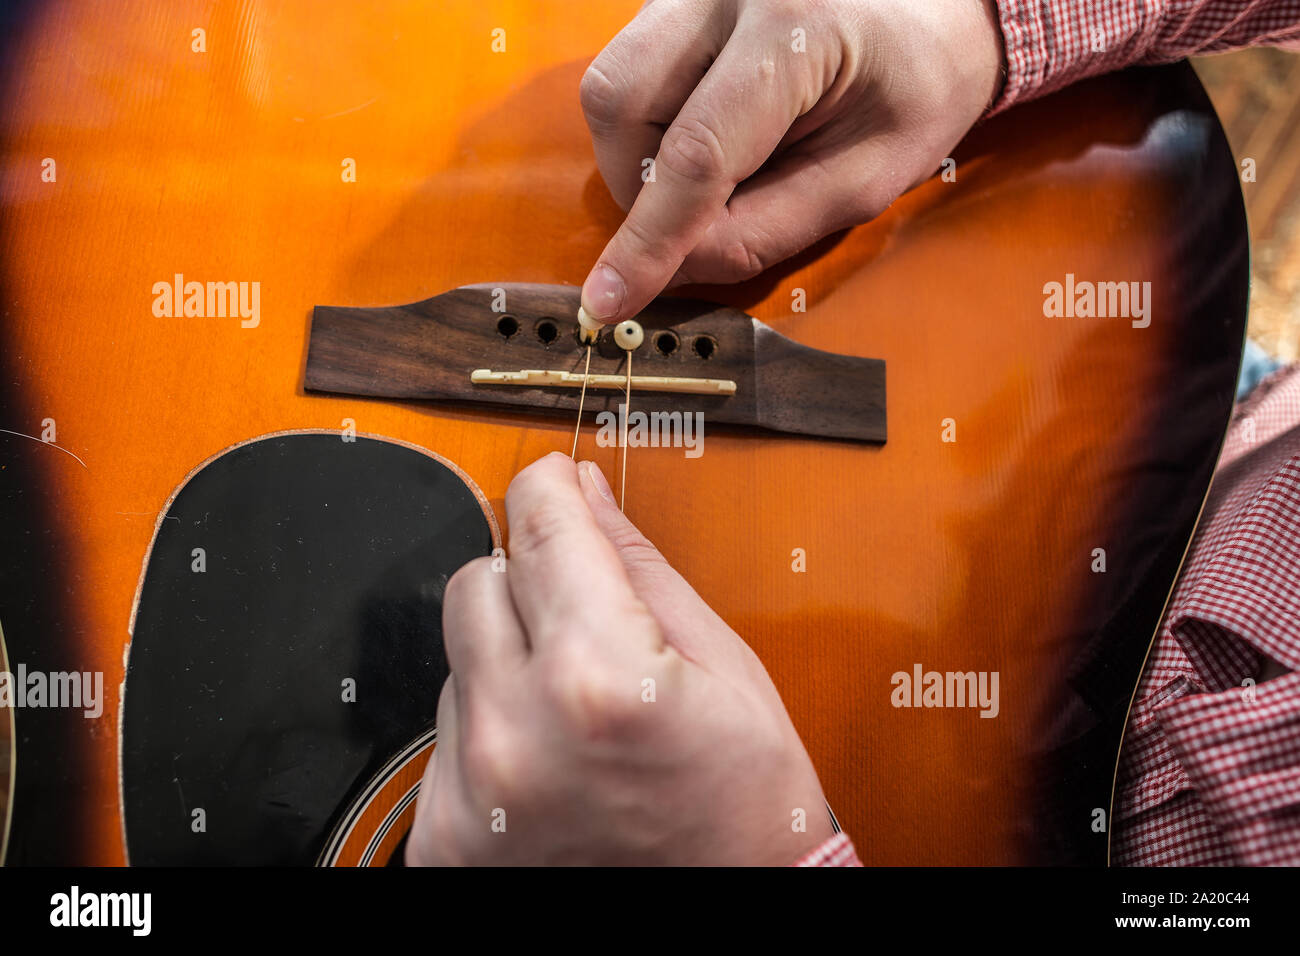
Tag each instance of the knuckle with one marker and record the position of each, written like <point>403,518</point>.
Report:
<point>869,203</point>
<point>537,526</point>
<point>595,706</point>
<point>593,700</point>
<point>465,579</point>
<point>638,240</point>
<point>691,149</point>
<point>490,759</point>
<point>604,97</point>
<point>738,261</point>
<point>730,252</point>
<point>635,549</point>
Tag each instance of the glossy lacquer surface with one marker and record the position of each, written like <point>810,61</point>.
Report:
<point>1072,434</point>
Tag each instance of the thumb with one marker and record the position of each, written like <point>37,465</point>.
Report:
<point>692,627</point>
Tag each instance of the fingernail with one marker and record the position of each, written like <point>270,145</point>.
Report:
<point>599,482</point>
<point>603,292</point>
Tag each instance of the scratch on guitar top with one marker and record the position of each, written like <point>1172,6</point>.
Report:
<point>351,109</point>
<point>185,810</point>
<point>41,441</point>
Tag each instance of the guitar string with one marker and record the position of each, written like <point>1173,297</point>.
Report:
<point>577,428</point>
<point>627,413</point>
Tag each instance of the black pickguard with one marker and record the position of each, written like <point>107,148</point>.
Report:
<point>326,561</point>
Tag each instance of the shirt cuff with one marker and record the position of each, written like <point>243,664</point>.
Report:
<point>837,851</point>
<point>1050,45</point>
<point>1241,751</point>
<point>1053,43</point>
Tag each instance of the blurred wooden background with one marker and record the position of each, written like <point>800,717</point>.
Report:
<point>1257,94</point>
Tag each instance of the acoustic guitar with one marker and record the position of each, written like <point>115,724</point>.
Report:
<point>288,299</point>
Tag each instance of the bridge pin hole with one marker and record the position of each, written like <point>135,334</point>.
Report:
<point>667,342</point>
<point>547,331</point>
<point>705,346</point>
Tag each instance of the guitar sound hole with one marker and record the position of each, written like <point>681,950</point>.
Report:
<point>667,342</point>
<point>705,346</point>
<point>507,326</point>
<point>548,331</point>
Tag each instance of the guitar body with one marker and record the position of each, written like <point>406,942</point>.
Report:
<point>1025,518</point>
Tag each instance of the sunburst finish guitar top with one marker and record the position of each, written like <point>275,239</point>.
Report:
<point>309,154</point>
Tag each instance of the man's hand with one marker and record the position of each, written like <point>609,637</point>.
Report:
<point>598,711</point>
<point>771,123</point>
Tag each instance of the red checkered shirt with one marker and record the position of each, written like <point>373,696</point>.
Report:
<point>1053,43</point>
<point>837,851</point>
<point>1210,770</point>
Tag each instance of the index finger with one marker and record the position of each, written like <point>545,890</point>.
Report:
<point>729,126</point>
<point>566,580</point>
<point>641,80</point>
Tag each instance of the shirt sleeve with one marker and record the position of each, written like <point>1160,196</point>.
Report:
<point>836,851</point>
<point>1053,43</point>
<point>1240,743</point>
<point>1241,751</point>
